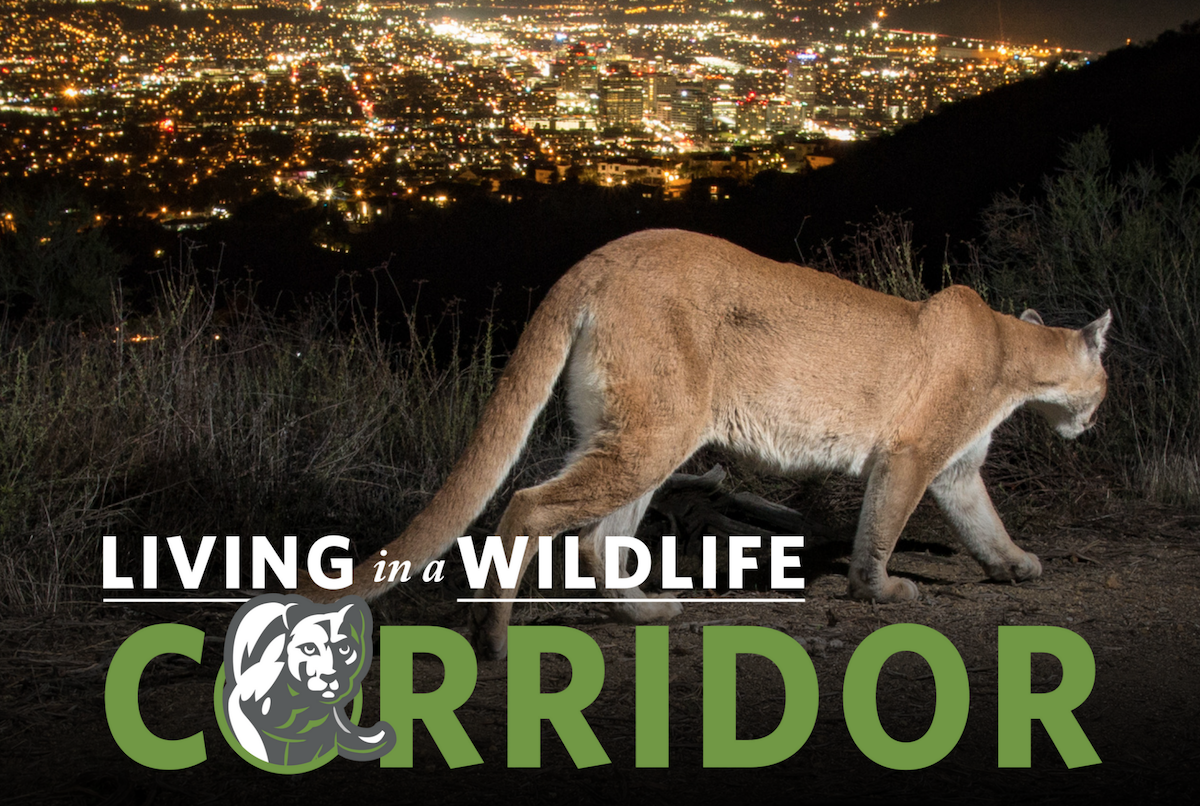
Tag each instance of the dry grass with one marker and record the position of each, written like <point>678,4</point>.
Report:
<point>224,420</point>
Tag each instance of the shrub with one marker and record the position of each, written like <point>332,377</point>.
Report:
<point>1130,243</point>
<point>878,255</point>
<point>53,256</point>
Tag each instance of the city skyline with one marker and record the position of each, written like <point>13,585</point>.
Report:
<point>180,111</point>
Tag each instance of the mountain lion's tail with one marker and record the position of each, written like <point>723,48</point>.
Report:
<point>521,393</point>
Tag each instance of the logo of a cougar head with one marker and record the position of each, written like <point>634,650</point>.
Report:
<point>290,669</point>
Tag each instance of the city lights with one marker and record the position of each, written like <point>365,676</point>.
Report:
<point>216,102</point>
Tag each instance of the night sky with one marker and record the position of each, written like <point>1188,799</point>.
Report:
<point>1093,25</point>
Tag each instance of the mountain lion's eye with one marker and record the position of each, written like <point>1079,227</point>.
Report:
<point>308,649</point>
<point>344,649</point>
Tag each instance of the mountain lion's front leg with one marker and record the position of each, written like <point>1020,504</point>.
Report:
<point>895,485</point>
<point>965,501</point>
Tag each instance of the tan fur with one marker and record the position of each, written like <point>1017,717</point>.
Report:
<point>673,340</point>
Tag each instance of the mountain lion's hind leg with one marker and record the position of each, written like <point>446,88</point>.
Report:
<point>895,485</point>
<point>960,493</point>
<point>630,605</point>
<point>614,472</point>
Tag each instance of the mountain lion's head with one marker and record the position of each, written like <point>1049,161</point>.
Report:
<point>1070,406</point>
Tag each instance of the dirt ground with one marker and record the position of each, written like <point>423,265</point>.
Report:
<point>1121,573</point>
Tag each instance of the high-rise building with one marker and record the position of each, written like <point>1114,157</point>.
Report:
<point>659,87</point>
<point>691,108</point>
<point>752,115</point>
<point>622,100</point>
<point>800,85</point>
<point>576,70</point>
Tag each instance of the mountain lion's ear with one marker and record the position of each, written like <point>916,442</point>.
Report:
<point>1032,317</point>
<point>1094,333</point>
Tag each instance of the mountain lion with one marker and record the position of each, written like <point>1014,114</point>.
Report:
<point>672,340</point>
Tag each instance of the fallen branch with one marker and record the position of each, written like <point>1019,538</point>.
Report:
<point>694,506</point>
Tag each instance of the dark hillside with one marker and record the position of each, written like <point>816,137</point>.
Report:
<point>945,169</point>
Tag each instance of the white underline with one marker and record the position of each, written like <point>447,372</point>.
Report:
<point>569,600</point>
<point>174,601</point>
<point>531,600</point>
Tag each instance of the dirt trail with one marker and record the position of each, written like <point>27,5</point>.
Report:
<point>1123,576</point>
